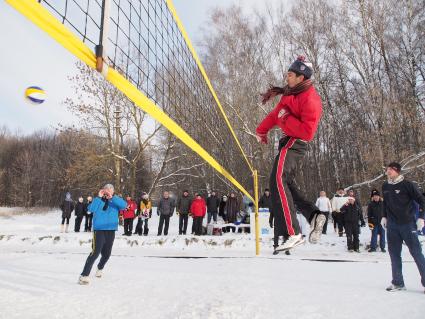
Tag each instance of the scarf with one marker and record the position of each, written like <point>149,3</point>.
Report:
<point>397,180</point>
<point>286,90</point>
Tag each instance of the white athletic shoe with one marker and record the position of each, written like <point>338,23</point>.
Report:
<point>292,242</point>
<point>316,228</point>
<point>99,273</point>
<point>393,288</point>
<point>83,280</point>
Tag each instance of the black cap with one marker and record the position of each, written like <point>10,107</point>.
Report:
<point>301,67</point>
<point>374,192</point>
<point>395,166</point>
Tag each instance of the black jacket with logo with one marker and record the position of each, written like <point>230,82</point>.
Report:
<point>398,201</point>
<point>374,212</point>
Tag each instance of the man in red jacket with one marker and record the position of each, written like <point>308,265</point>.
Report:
<point>297,115</point>
<point>198,208</point>
<point>128,215</point>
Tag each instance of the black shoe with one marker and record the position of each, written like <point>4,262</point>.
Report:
<point>275,252</point>
<point>371,250</point>
<point>357,250</point>
<point>383,250</point>
<point>287,252</point>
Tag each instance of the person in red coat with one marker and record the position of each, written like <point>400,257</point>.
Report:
<point>128,215</point>
<point>297,115</point>
<point>198,209</point>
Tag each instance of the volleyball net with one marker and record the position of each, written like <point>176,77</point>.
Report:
<point>142,48</point>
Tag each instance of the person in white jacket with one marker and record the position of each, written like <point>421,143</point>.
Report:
<point>324,205</point>
<point>339,200</point>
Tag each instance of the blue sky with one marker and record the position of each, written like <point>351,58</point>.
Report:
<point>29,57</point>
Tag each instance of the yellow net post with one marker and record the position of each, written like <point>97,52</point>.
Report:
<point>257,225</point>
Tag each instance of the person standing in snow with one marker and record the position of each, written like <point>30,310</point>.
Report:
<point>105,209</point>
<point>165,212</point>
<point>198,209</point>
<point>339,200</point>
<point>67,207</point>
<point>352,215</point>
<point>128,214</point>
<point>374,216</point>
<point>183,210</point>
<point>222,206</point>
<point>232,210</point>
<point>144,213</point>
<point>212,207</point>
<point>80,212</point>
<point>399,220</point>
<point>324,205</point>
<point>266,202</point>
<point>89,215</point>
<point>297,115</point>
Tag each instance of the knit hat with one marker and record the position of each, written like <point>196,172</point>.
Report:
<point>395,166</point>
<point>301,67</point>
<point>374,192</point>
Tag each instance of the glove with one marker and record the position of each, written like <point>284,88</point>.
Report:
<point>420,224</point>
<point>384,222</point>
<point>371,226</point>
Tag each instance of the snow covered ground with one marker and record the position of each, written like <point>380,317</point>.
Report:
<point>147,277</point>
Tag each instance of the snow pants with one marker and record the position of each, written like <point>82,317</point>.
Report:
<point>88,222</point>
<point>77,225</point>
<point>352,231</point>
<point>285,195</point>
<point>102,243</point>
<point>128,226</point>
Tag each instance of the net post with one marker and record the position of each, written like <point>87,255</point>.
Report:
<point>257,225</point>
<point>100,49</point>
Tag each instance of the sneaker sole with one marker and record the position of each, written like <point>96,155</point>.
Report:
<point>83,283</point>
<point>316,233</point>
<point>300,242</point>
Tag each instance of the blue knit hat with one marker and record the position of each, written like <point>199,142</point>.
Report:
<point>301,67</point>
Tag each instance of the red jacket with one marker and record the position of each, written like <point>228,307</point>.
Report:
<point>198,208</point>
<point>130,211</point>
<point>296,115</point>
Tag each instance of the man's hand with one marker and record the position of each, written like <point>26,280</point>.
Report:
<point>384,222</point>
<point>262,138</point>
<point>420,224</point>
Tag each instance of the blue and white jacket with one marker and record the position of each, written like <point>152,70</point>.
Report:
<point>105,214</point>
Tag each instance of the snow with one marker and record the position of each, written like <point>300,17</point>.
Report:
<point>147,277</point>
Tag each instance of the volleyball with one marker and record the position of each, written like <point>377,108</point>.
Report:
<point>35,94</point>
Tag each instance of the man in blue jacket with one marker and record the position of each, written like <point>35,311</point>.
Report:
<point>105,209</point>
<point>399,219</point>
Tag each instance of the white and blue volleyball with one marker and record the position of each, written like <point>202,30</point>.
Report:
<point>35,94</point>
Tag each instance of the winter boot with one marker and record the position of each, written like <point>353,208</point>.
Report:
<point>99,273</point>
<point>83,280</point>
<point>393,288</point>
<point>292,242</point>
<point>316,228</point>
<point>62,228</point>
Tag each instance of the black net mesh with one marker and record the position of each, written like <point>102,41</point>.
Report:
<point>145,44</point>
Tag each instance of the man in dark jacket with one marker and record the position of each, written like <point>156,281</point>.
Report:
<point>399,219</point>
<point>266,202</point>
<point>374,216</point>
<point>183,209</point>
<point>165,211</point>
<point>80,212</point>
<point>89,215</point>
<point>67,207</point>
<point>352,214</point>
<point>212,207</point>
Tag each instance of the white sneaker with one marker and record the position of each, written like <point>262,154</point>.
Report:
<point>316,228</point>
<point>292,242</point>
<point>99,273</point>
<point>83,280</point>
<point>393,288</point>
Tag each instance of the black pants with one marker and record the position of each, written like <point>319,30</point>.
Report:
<point>197,222</point>
<point>286,196</point>
<point>338,222</point>
<point>77,225</point>
<point>67,220</point>
<point>128,226</point>
<point>142,227</point>
<point>88,224</point>
<point>352,232</point>
<point>163,219</point>
<point>102,243</point>
<point>183,218</point>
